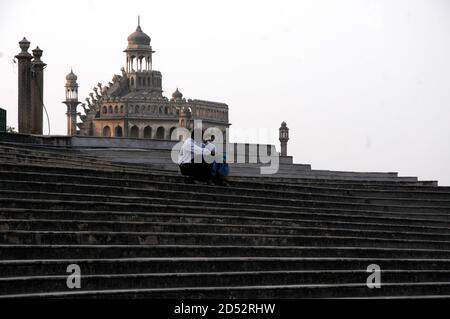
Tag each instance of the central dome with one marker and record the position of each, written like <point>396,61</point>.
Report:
<point>138,37</point>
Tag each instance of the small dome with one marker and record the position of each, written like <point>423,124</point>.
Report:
<point>177,95</point>
<point>283,124</point>
<point>138,37</point>
<point>71,76</point>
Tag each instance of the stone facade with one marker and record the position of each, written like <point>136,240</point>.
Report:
<point>133,104</point>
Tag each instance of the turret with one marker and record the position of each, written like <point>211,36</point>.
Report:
<point>72,103</point>
<point>284,138</point>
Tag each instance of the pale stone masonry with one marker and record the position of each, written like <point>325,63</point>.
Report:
<point>133,104</point>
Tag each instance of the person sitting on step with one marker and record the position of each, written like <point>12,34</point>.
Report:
<point>191,159</point>
<point>219,171</point>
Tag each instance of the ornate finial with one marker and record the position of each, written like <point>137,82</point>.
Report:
<point>37,53</point>
<point>139,24</point>
<point>24,46</point>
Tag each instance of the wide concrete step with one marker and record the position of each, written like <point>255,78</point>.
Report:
<point>286,171</point>
<point>439,220</point>
<point>398,225</point>
<point>206,200</point>
<point>407,290</point>
<point>51,251</point>
<point>172,238</point>
<point>35,284</point>
<point>10,187</point>
<point>65,183</point>
<point>38,160</point>
<point>30,180</point>
<point>55,267</point>
<point>150,175</point>
<point>87,225</point>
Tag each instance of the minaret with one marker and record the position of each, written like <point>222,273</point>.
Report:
<point>71,102</point>
<point>24,101</point>
<point>284,138</point>
<point>37,92</point>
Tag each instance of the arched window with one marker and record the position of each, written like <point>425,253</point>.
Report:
<point>121,109</point>
<point>132,81</point>
<point>136,110</point>
<point>110,109</point>
<point>160,133</point>
<point>134,131</point>
<point>107,131</point>
<point>118,131</point>
<point>166,110</point>
<point>171,131</point>
<point>105,110</point>
<point>116,109</point>
<point>147,132</point>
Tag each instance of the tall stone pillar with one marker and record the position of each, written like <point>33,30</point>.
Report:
<point>284,138</point>
<point>72,103</point>
<point>37,92</point>
<point>24,98</point>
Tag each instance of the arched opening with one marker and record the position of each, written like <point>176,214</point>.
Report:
<point>107,131</point>
<point>134,131</point>
<point>91,129</point>
<point>116,109</point>
<point>171,131</point>
<point>118,131</point>
<point>160,133</point>
<point>105,110</point>
<point>136,110</point>
<point>147,132</point>
<point>110,109</point>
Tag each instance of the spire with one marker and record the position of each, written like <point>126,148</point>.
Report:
<point>139,24</point>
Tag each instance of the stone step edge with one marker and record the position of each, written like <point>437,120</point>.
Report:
<point>306,210</point>
<point>207,203</point>
<point>250,190</point>
<point>131,180</point>
<point>212,289</point>
<point>224,235</point>
<point>219,247</point>
<point>158,173</point>
<point>287,220</point>
<point>262,227</point>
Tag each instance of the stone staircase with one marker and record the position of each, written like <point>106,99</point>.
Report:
<point>136,231</point>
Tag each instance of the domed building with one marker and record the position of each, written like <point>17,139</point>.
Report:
<point>133,104</point>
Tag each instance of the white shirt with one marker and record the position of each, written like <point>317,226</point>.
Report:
<point>189,146</point>
<point>211,147</point>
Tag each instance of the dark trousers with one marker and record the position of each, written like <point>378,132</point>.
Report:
<point>200,171</point>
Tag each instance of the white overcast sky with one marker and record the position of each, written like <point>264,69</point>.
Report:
<point>363,85</point>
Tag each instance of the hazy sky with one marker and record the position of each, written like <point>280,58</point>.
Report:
<point>363,85</point>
